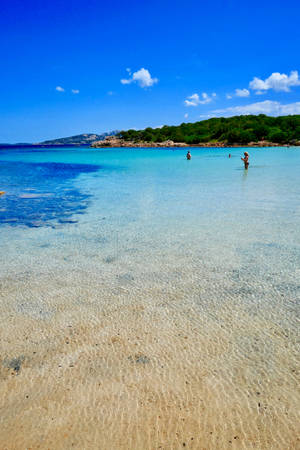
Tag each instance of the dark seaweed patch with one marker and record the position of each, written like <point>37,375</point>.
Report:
<point>41,194</point>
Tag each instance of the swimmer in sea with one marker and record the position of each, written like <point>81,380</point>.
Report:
<point>188,155</point>
<point>246,160</point>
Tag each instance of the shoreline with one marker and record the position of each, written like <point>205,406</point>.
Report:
<point>113,142</point>
<point>169,144</point>
<point>195,146</point>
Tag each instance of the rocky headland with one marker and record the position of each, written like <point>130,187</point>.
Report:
<point>113,141</point>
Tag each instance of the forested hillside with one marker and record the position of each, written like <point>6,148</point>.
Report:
<point>238,129</point>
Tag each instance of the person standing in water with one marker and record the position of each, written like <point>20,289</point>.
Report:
<point>188,155</point>
<point>246,160</point>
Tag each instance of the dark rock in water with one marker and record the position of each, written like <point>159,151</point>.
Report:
<point>67,221</point>
<point>142,360</point>
<point>139,359</point>
<point>14,363</point>
<point>110,259</point>
<point>125,277</point>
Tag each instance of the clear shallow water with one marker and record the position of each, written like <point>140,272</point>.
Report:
<point>188,269</point>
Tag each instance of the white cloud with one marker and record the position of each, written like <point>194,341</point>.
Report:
<point>205,116</point>
<point>124,81</point>
<point>277,81</point>
<point>269,107</point>
<point>242,92</point>
<point>238,93</point>
<point>206,98</point>
<point>75,91</point>
<point>110,93</point>
<point>60,89</point>
<point>186,115</point>
<point>142,77</point>
<point>128,70</point>
<point>194,99</point>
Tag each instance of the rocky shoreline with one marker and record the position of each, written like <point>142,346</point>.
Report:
<point>114,142</point>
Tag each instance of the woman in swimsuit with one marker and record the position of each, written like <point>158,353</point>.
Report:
<point>246,160</point>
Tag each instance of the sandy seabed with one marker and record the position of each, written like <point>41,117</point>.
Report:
<point>88,362</point>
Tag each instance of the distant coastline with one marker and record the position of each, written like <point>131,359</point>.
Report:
<point>79,140</point>
<point>12,146</point>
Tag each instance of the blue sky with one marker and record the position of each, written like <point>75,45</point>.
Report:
<point>69,67</point>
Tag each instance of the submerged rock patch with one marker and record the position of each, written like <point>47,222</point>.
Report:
<point>14,363</point>
<point>139,359</point>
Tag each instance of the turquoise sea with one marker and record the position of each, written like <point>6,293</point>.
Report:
<point>208,251</point>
